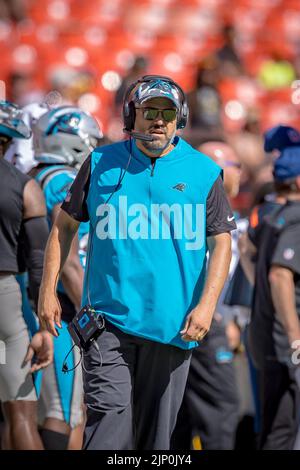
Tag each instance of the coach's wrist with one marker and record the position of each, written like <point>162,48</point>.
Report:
<point>208,309</point>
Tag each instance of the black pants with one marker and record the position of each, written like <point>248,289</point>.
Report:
<point>132,392</point>
<point>210,405</point>
<point>280,399</point>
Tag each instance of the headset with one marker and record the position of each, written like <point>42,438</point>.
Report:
<point>129,106</point>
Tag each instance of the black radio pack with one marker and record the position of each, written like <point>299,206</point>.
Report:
<point>86,326</point>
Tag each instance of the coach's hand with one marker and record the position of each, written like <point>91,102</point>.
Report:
<point>197,325</point>
<point>49,312</point>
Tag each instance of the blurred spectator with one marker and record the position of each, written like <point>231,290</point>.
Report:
<point>21,88</point>
<point>229,61</point>
<point>225,156</point>
<point>12,10</point>
<point>70,84</point>
<point>204,100</point>
<point>276,72</point>
<point>249,147</point>
<point>138,69</point>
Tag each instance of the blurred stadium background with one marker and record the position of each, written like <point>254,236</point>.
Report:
<point>238,60</point>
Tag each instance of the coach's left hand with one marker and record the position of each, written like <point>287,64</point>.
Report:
<point>197,325</point>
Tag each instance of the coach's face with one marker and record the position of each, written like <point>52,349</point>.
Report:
<point>156,117</point>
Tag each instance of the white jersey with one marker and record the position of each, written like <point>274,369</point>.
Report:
<point>20,152</point>
<point>229,312</point>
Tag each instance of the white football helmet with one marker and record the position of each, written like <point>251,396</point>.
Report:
<point>65,135</point>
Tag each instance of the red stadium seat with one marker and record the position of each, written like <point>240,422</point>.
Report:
<point>173,65</point>
<point>279,113</point>
<point>54,11</point>
<point>242,89</point>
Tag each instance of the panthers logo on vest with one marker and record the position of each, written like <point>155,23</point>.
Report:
<point>180,187</point>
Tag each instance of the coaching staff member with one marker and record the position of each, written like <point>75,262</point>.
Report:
<point>274,330</point>
<point>149,202</point>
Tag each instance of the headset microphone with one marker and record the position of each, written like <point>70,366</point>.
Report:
<point>139,136</point>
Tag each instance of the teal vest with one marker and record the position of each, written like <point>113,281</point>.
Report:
<point>147,252</point>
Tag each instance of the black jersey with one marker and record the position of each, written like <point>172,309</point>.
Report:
<point>12,183</point>
<point>277,239</point>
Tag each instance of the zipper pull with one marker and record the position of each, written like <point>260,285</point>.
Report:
<point>153,161</point>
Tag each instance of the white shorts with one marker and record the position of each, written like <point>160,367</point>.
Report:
<point>16,383</point>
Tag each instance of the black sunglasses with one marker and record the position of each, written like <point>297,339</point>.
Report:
<point>152,113</point>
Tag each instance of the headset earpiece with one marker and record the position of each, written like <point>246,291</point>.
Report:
<point>129,107</point>
<point>129,115</point>
<point>183,115</point>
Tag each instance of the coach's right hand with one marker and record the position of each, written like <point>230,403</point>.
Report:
<point>49,312</point>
